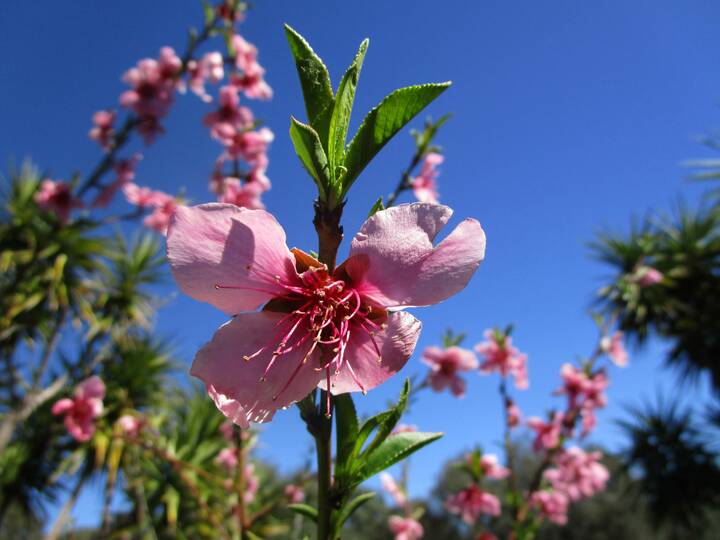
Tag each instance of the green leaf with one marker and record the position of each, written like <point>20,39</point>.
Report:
<point>308,148</point>
<point>346,423</point>
<point>386,426</point>
<point>349,508</point>
<point>304,510</point>
<point>376,207</point>
<point>340,119</point>
<point>209,12</point>
<point>383,122</point>
<point>394,449</point>
<point>315,83</point>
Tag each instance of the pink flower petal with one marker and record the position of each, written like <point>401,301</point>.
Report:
<point>396,343</point>
<point>393,261</point>
<point>222,245</point>
<point>234,383</point>
<point>62,406</point>
<point>90,388</point>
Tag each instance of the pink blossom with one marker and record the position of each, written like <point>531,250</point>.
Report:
<point>250,146</point>
<point>513,414</point>
<point>130,425</point>
<point>404,428</point>
<point>252,483</point>
<point>405,528</point>
<point>152,90</point>
<point>577,473</point>
<point>646,276</point>
<point>502,357</point>
<point>295,494</point>
<point>125,171</point>
<point>246,195</point>
<point>82,409</point>
<point>57,197</point>
<point>251,81</point>
<point>614,347</point>
<point>142,197</point>
<point>445,364</point>
<point>391,488</point>
<point>547,433</point>
<point>165,206</point>
<point>552,504</point>
<point>230,117</point>
<point>227,458</point>
<point>491,468</point>
<point>424,185</point>
<point>343,331</point>
<point>102,130</point>
<point>209,68</point>
<point>471,502</point>
<point>227,429</point>
<point>575,383</point>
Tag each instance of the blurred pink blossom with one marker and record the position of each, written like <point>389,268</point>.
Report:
<point>424,184</point>
<point>295,494</point>
<point>230,117</point>
<point>472,502</point>
<point>445,364</point>
<point>125,171</point>
<point>404,428</point>
<point>646,276</point>
<point>502,357</point>
<point>391,488</point>
<point>102,131</point>
<point>614,347</point>
<point>251,81</point>
<point>57,197</point>
<point>491,468</point>
<point>82,409</point>
<point>405,528</point>
<point>152,90</point>
<point>547,433</point>
<point>130,425</point>
<point>246,195</point>
<point>513,414</point>
<point>552,504</point>
<point>577,473</point>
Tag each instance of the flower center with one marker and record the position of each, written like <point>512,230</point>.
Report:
<point>322,313</point>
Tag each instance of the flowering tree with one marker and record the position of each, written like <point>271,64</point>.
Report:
<point>83,365</point>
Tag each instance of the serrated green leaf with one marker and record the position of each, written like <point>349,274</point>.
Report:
<point>376,207</point>
<point>388,424</point>
<point>344,99</point>
<point>308,148</point>
<point>346,422</point>
<point>304,510</point>
<point>394,449</point>
<point>383,122</point>
<point>315,83</point>
<point>347,510</point>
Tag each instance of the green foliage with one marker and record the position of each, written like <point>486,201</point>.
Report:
<point>685,307</point>
<point>357,461</point>
<point>680,476</point>
<point>320,144</point>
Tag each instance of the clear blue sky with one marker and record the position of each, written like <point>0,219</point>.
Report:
<point>569,118</point>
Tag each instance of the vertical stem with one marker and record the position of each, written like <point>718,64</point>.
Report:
<point>57,527</point>
<point>509,452</point>
<point>324,473</point>
<point>240,482</point>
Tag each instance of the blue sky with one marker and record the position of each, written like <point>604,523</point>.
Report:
<point>569,118</point>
